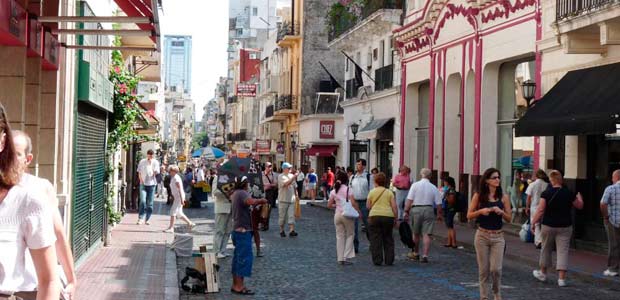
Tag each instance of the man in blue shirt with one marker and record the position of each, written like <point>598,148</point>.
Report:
<point>610,209</point>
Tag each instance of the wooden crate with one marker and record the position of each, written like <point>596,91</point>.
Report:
<point>207,264</point>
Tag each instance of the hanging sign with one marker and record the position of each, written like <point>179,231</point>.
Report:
<point>326,129</point>
<point>246,90</point>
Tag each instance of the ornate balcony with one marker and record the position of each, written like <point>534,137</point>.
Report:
<point>286,105</point>
<point>289,33</point>
<point>373,16</point>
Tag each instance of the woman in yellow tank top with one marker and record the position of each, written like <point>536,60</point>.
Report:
<point>381,220</point>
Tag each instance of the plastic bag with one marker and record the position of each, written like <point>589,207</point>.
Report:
<point>525,234</point>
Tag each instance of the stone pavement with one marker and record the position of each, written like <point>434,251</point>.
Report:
<point>305,268</point>
<point>136,264</point>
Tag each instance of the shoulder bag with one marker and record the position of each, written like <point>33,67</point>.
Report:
<point>347,208</point>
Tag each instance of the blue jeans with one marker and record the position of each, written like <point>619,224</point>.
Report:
<point>147,195</point>
<point>356,241</point>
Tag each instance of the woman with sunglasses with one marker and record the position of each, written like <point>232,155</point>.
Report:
<point>26,224</point>
<point>490,208</point>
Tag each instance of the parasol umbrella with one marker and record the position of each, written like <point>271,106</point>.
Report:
<point>209,152</point>
<point>237,167</point>
<point>197,153</point>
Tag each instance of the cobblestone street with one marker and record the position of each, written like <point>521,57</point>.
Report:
<point>305,268</point>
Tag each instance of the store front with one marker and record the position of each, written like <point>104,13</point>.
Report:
<point>380,133</point>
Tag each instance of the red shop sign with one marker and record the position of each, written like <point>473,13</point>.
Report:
<point>50,52</point>
<point>246,90</point>
<point>326,129</point>
<point>13,19</point>
<point>34,39</point>
<point>263,146</point>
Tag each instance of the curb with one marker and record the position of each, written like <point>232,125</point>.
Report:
<point>587,277</point>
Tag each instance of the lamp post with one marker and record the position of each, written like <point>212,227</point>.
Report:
<point>354,128</point>
<point>528,89</point>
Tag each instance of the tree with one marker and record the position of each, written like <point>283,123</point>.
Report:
<point>200,140</point>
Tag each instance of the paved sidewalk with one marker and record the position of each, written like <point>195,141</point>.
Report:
<point>136,265</point>
<point>587,265</point>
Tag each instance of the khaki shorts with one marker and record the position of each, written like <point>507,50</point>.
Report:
<point>422,220</point>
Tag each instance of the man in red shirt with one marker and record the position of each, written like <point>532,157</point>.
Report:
<point>331,178</point>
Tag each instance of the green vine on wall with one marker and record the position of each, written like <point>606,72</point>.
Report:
<point>122,131</point>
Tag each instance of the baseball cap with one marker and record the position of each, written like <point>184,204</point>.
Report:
<point>286,165</point>
<point>241,179</point>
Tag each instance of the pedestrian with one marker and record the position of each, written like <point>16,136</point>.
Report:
<point>27,225</point>
<point>533,192</point>
<point>402,183</point>
<point>381,221</point>
<point>420,200</point>
<point>242,235</point>
<point>159,179</point>
<point>610,209</point>
<point>169,198</point>
<point>301,177</point>
<point>490,208</point>
<point>350,172</point>
<point>147,169</point>
<point>331,178</point>
<point>311,180</point>
<point>515,193</point>
<point>223,221</point>
<point>188,182</point>
<point>450,207</point>
<point>176,210</point>
<point>324,185</point>
<point>23,148</point>
<point>361,185</point>
<point>270,184</point>
<point>555,210</point>
<point>286,200</point>
<point>373,172</point>
<point>345,226</point>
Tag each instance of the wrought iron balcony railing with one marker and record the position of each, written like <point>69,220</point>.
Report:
<point>288,28</point>
<point>565,9</point>
<point>286,102</point>
<point>341,19</point>
<point>384,78</point>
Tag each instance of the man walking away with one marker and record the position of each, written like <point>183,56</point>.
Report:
<point>422,195</point>
<point>147,169</point>
<point>610,209</point>
<point>286,200</point>
<point>169,198</point>
<point>360,184</point>
<point>23,148</point>
<point>159,178</point>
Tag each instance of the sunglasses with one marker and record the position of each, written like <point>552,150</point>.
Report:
<point>495,177</point>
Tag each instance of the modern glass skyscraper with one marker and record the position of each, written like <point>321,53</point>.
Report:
<point>178,62</point>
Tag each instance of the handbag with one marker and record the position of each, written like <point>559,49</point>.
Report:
<point>264,211</point>
<point>347,208</point>
<point>297,208</point>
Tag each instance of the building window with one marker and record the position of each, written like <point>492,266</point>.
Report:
<point>255,11</point>
<point>177,43</point>
<point>239,31</point>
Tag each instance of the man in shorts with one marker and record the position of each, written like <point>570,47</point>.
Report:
<point>422,195</point>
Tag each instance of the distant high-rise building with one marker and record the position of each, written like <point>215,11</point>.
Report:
<point>178,62</point>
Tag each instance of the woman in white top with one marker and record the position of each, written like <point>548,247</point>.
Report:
<point>176,210</point>
<point>533,193</point>
<point>345,227</point>
<point>26,223</point>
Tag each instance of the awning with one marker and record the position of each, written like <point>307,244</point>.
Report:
<point>583,102</point>
<point>374,130</point>
<point>322,150</point>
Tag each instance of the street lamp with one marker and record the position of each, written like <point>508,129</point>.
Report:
<point>354,128</point>
<point>528,89</point>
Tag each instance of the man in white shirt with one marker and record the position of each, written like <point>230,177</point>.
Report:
<point>360,186</point>
<point>300,181</point>
<point>23,148</point>
<point>533,193</point>
<point>200,174</point>
<point>286,200</point>
<point>147,169</point>
<point>422,195</point>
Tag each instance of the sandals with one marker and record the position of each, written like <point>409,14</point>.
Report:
<point>242,292</point>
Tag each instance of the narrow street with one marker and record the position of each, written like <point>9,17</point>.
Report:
<point>305,268</point>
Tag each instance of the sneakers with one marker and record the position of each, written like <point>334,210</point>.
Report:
<point>610,273</point>
<point>293,234</point>
<point>282,234</point>
<point>540,275</point>
<point>221,255</point>
<point>191,226</point>
<point>169,230</point>
<point>139,222</point>
<point>561,282</point>
<point>345,263</point>
<point>147,223</point>
<point>424,259</point>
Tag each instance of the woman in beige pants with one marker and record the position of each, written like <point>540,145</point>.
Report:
<point>345,227</point>
<point>555,210</point>
<point>491,208</point>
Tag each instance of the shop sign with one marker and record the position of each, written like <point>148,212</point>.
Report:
<point>35,32</point>
<point>246,90</point>
<point>280,148</point>
<point>50,52</point>
<point>263,146</point>
<point>326,129</point>
<point>13,20</point>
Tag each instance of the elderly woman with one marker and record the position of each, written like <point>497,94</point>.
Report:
<point>402,183</point>
<point>176,210</point>
<point>555,207</point>
<point>381,221</point>
<point>26,224</point>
